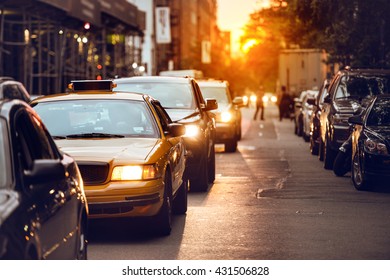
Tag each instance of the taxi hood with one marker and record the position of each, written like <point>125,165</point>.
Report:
<point>127,149</point>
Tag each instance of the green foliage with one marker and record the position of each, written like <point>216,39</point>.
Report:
<point>354,32</point>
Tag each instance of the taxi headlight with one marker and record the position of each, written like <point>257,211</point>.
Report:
<point>134,172</point>
<point>226,117</point>
<point>192,131</point>
<point>265,99</point>
<point>274,99</point>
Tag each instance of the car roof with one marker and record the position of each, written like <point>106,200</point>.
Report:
<point>366,71</point>
<point>213,83</point>
<point>90,95</point>
<point>4,79</point>
<point>162,79</point>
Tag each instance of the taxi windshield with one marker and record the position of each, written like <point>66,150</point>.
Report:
<point>97,119</point>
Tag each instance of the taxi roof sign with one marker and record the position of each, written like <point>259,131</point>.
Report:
<point>92,85</point>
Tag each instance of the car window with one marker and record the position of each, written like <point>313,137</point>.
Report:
<point>171,95</point>
<point>218,93</point>
<point>198,92</point>
<point>11,91</point>
<point>361,86</point>
<point>5,154</point>
<point>379,114</point>
<point>162,114</point>
<point>115,117</point>
<point>33,139</point>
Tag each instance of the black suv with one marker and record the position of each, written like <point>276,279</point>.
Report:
<point>181,97</point>
<point>11,89</point>
<point>348,91</point>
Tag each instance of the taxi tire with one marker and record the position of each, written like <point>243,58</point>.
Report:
<point>181,200</point>
<point>163,220</point>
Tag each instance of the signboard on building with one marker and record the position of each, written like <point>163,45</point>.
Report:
<point>206,52</point>
<point>163,25</point>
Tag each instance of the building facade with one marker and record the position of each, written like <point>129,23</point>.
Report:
<point>47,43</point>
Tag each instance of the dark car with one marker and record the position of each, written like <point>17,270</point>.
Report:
<point>182,98</point>
<point>228,114</point>
<point>43,209</point>
<point>11,89</point>
<point>348,90</point>
<point>315,123</point>
<point>371,144</point>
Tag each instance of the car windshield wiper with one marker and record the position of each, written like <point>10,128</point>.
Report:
<point>188,117</point>
<point>95,135</point>
<point>57,137</point>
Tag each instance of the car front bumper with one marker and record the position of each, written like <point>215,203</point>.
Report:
<point>225,132</point>
<point>125,199</point>
<point>376,167</point>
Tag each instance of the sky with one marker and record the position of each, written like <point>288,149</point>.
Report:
<point>234,14</point>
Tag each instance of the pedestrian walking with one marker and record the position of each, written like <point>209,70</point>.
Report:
<point>285,103</point>
<point>259,104</point>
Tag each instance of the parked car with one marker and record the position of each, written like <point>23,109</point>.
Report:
<point>43,208</point>
<point>299,106</point>
<point>11,89</point>
<point>228,115</point>
<point>183,100</point>
<point>315,118</point>
<point>371,144</point>
<point>307,112</point>
<point>348,90</point>
<point>131,155</point>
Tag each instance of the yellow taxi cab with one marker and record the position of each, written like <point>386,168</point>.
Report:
<point>130,154</point>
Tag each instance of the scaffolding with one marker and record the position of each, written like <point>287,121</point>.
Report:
<point>45,49</point>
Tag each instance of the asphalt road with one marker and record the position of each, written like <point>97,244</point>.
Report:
<point>271,200</point>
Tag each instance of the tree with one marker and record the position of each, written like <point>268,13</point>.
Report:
<point>354,32</point>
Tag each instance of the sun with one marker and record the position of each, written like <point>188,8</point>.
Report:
<point>248,45</point>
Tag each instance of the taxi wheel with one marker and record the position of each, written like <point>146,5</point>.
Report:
<point>181,200</point>
<point>163,220</point>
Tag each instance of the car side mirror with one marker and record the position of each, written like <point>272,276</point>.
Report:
<point>238,101</point>
<point>356,120</point>
<point>44,171</point>
<point>176,129</point>
<point>211,104</point>
<point>311,101</point>
<point>327,99</point>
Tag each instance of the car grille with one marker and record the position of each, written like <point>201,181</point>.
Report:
<point>93,173</point>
